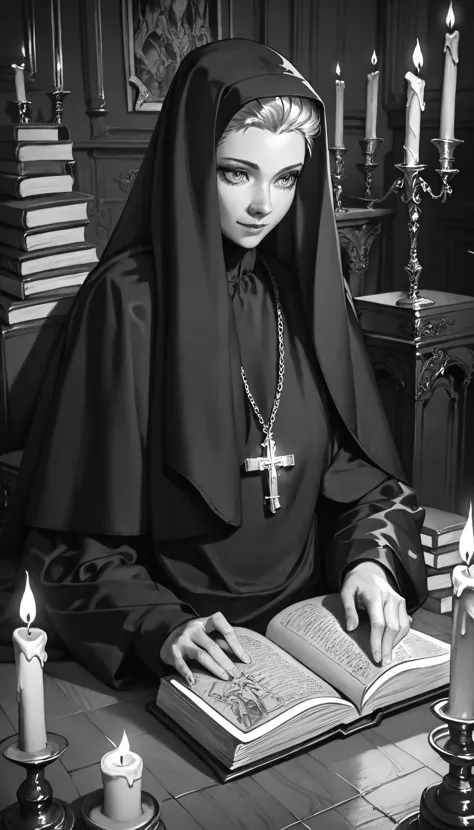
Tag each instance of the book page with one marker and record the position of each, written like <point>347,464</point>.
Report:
<point>271,685</point>
<point>314,632</point>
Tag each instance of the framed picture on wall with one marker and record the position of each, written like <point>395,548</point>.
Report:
<point>157,36</point>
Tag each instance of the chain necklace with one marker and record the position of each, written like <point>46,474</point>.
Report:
<point>270,461</point>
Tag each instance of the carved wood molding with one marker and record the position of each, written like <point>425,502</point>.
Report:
<point>436,364</point>
<point>92,64</point>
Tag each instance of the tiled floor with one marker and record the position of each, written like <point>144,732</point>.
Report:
<point>367,781</point>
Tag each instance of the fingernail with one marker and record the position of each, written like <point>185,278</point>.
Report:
<point>377,656</point>
<point>190,678</point>
<point>350,625</point>
<point>247,658</point>
<point>224,675</point>
<point>236,672</point>
<point>386,661</point>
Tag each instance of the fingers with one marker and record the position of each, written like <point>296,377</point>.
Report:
<point>211,656</point>
<point>348,601</point>
<point>375,610</point>
<point>392,626</point>
<point>219,623</point>
<point>405,622</point>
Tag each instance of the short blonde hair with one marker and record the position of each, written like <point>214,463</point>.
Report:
<point>279,115</point>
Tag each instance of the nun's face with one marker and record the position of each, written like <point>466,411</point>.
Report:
<point>257,172</point>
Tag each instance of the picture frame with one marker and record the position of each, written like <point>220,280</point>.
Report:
<point>157,35</point>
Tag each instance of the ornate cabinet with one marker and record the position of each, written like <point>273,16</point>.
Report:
<point>423,360</point>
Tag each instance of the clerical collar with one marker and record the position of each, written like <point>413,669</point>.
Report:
<point>238,261</point>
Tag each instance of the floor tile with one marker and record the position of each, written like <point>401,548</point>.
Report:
<point>172,763</point>
<point>397,798</point>
<point>367,760</point>
<point>86,691</point>
<point>237,805</point>
<point>6,726</point>
<point>356,813</point>
<point>305,786</point>
<point>409,731</point>
<point>129,715</point>
<point>176,817</point>
<point>86,743</point>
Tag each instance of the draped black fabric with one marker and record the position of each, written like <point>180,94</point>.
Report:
<point>166,459</point>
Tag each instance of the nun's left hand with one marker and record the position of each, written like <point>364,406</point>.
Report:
<point>367,586</point>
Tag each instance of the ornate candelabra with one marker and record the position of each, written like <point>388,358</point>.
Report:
<point>449,804</point>
<point>36,809</point>
<point>58,96</point>
<point>337,176</point>
<point>412,186</point>
<point>23,113</point>
<point>369,148</point>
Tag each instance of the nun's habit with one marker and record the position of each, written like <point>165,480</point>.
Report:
<point>133,510</point>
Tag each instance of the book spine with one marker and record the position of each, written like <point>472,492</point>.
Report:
<point>10,264</point>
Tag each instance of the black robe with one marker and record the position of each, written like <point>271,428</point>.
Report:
<point>112,600</point>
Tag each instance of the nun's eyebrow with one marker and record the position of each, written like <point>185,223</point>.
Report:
<point>254,166</point>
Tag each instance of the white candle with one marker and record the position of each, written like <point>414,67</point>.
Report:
<point>19,82</point>
<point>461,689</point>
<point>448,96</point>
<point>372,102</point>
<point>30,655</point>
<point>415,106</point>
<point>339,119</point>
<point>122,780</point>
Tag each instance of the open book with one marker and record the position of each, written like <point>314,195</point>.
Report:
<point>308,677</point>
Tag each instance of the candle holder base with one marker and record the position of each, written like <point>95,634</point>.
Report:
<point>94,819</point>
<point>23,111</point>
<point>36,808</point>
<point>449,804</point>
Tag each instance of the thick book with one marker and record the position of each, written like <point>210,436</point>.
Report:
<point>20,311</point>
<point>24,263</point>
<point>29,132</point>
<point>439,579</point>
<point>45,210</point>
<point>36,168</point>
<point>37,151</point>
<point>444,557</point>
<point>308,678</point>
<point>45,282</point>
<point>440,601</point>
<point>21,187</point>
<point>49,236</point>
<point>441,528</point>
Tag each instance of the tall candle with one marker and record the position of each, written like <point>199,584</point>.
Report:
<point>30,656</point>
<point>372,102</point>
<point>122,780</point>
<point>19,81</point>
<point>339,120</point>
<point>57,44</point>
<point>415,106</point>
<point>448,96</point>
<point>461,689</point>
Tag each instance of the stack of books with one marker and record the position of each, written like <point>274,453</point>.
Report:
<point>44,258</point>
<point>440,537</point>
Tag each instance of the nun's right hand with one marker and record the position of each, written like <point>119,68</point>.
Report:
<point>191,641</point>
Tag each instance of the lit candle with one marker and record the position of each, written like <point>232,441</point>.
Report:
<point>30,655</point>
<point>451,59</point>
<point>57,44</point>
<point>339,122</point>
<point>122,781</point>
<point>372,96</point>
<point>415,106</point>
<point>19,81</point>
<point>461,688</point>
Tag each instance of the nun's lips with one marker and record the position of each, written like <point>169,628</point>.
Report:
<point>252,227</point>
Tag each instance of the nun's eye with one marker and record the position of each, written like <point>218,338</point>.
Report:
<point>231,176</point>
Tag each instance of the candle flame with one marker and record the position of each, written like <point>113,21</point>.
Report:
<point>23,51</point>
<point>450,16</point>
<point>466,542</point>
<point>418,56</point>
<point>123,746</point>
<point>28,604</point>
<point>373,59</point>
<point>338,69</point>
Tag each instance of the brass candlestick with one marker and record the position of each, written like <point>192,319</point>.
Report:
<point>58,96</point>
<point>369,148</point>
<point>449,804</point>
<point>36,809</point>
<point>412,185</point>
<point>337,176</point>
<point>23,112</point>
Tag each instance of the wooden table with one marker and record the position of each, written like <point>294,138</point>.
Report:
<point>367,781</point>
